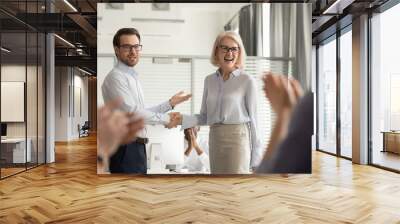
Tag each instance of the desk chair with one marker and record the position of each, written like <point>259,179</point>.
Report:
<point>84,130</point>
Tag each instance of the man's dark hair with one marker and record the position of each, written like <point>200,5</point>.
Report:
<point>124,31</point>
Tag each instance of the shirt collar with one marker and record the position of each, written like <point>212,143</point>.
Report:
<point>125,68</point>
<point>234,73</point>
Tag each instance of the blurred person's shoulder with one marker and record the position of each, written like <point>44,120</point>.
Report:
<point>302,119</point>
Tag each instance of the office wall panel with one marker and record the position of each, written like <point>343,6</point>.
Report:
<point>12,101</point>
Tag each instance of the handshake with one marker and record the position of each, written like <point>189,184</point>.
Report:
<point>175,119</point>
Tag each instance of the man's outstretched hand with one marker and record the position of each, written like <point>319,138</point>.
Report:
<point>178,98</point>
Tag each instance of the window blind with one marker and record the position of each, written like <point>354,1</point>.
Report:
<point>161,80</point>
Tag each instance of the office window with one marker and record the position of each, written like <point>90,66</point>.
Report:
<point>327,96</point>
<point>385,89</point>
<point>346,94</point>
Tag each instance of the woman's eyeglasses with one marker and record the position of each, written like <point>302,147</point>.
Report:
<point>226,49</point>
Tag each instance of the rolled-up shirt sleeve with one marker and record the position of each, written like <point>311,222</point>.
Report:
<point>115,86</point>
<point>161,108</point>
<point>189,121</point>
<point>251,106</point>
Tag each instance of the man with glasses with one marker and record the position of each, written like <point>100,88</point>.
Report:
<point>122,81</point>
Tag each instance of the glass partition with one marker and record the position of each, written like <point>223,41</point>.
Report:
<point>22,89</point>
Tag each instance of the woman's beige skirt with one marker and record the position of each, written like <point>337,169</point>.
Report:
<point>229,149</point>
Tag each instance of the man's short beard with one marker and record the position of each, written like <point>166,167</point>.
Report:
<point>126,62</point>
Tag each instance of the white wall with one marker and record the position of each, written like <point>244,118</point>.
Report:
<point>68,81</point>
<point>61,103</point>
<point>195,36</point>
<point>80,83</point>
<point>12,73</point>
<point>33,126</point>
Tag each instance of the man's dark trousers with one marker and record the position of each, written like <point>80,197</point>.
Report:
<point>130,158</point>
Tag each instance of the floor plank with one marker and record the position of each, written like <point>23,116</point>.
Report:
<point>70,191</point>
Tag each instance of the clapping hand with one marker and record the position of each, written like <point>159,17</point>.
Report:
<point>283,93</point>
<point>115,128</point>
<point>193,141</point>
<point>112,127</point>
<point>191,138</point>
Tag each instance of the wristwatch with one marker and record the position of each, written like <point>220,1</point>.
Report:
<point>171,104</point>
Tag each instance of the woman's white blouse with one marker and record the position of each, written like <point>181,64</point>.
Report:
<point>233,101</point>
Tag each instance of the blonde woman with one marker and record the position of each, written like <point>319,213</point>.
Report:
<point>229,107</point>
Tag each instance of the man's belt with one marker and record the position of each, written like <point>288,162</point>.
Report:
<point>142,140</point>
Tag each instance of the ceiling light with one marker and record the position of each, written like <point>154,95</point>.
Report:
<point>5,50</point>
<point>84,71</point>
<point>64,40</point>
<point>70,5</point>
<point>338,6</point>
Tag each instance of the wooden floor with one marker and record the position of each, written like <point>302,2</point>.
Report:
<point>10,171</point>
<point>69,191</point>
<point>5,172</point>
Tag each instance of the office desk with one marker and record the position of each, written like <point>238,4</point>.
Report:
<point>13,150</point>
<point>391,141</point>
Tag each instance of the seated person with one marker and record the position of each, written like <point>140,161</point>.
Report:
<point>196,153</point>
<point>289,149</point>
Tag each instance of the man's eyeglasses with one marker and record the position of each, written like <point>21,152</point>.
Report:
<point>128,47</point>
<point>226,49</point>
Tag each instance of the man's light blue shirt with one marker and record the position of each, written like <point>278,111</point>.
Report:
<point>122,81</point>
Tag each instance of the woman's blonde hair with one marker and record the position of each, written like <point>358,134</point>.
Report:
<point>235,37</point>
